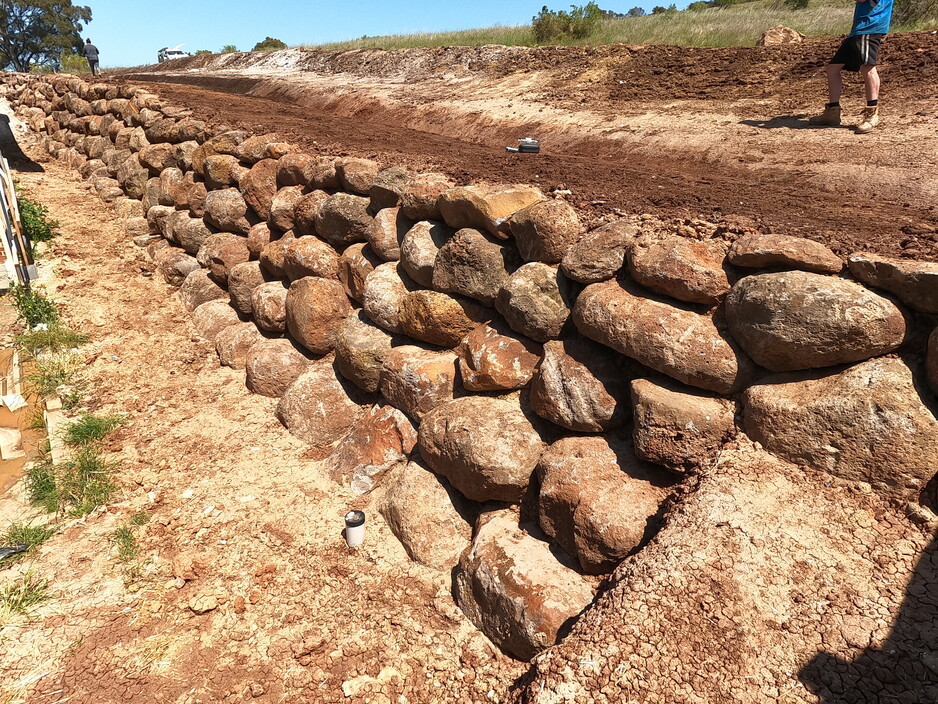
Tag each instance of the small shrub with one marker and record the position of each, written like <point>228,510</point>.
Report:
<point>123,539</point>
<point>32,307</point>
<point>35,220</point>
<point>90,428</point>
<point>56,373</point>
<point>579,23</point>
<point>76,487</point>
<point>24,594</point>
<point>231,48</point>
<point>140,518</point>
<point>269,44</point>
<point>22,534</point>
<point>41,485</point>
<point>55,339</point>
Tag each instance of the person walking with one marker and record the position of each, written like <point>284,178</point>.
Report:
<point>91,55</point>
<point>858,52</point>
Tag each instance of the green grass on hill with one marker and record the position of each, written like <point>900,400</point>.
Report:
<point>737,25</point>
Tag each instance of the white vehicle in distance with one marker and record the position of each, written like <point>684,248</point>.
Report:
<point>165,54</point>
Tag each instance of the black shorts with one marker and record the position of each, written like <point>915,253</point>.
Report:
<point>859,50</point>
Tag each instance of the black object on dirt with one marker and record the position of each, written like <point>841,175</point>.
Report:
<point>13,550</point>
<point>526,145</point>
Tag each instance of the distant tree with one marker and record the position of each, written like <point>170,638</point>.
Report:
<point>231,48</point>
<point>38,31</point>
<point>658,10</point>
<point>610,15</point>
<point>269,44</point>
<point>698,5</point>
<point>202,52</point>
<point>636,12</point>
<point>73,63</point>
<point>579,23</point>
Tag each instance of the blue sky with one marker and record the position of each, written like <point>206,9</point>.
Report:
<point>130,34</point>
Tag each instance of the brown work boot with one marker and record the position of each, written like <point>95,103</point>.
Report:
<point>829,118</point>
<point>869,121</point>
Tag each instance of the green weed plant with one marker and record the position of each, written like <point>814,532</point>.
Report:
<point>91,428</point>
<point>24,594</point>
<point>32,307</point>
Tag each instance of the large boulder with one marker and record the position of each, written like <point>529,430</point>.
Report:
<point>439,318</point>
<point>227,210</point>
<point>259,186</point>
<point>514,589</point>
<point>360,348</point>
<point>494,358</point>
<point>798,320</point>
<point>343,219</point>
<point>212,317</point>
<point>316,309</point>
<point>780,34</point>
<point>685,269</point>
<point>222,171</point>
<point>474,265</point>
<point>309,256</point>
<point>597,499</point>
<point>273,255</point>
<point>419,250</point>
<point>283,207</point>
<point>758,251</point>
<point>356,175</point>
<point>381,440</point>
<point>680,429</point>
<point>867,423</point>
<point>599,254</point>
<point>306,210</point>
<point>486,207</point>
<point>318,408</point>
<point>357,261</point>
<point>582,385</point>
<point>487,447</point>
<point>388,187</point>
<point>233,343</point>
<point>931,360</point>
<point>416,380</point>
<point>224,143</point>
<point>385,289</point>
<point>269,306</point>
<point>536,301</point>
<point>175,266</point>
<point>912,282</point>
<point>259,236</point>
<point>426,514</point>
<point>295,169</point>
<point>264,147</point>
<point>543,232</point>
<point>198,288</point>
<point>685,345</point>
<point>273,365</point>
<point>191,233</point>
<point>222,251</point>
<point>242,280</point>
<point>420,199</point>
<point>386,232</point>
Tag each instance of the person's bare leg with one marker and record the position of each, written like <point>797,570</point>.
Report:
<point>835,82</point>
<point>870,82</point>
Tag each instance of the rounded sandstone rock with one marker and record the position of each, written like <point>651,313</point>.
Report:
<point>315,309</point>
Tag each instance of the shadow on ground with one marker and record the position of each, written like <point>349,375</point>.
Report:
<point>12,151</point>
<point>791,122</point>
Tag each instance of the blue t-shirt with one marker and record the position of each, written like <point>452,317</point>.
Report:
<point>871,17</point>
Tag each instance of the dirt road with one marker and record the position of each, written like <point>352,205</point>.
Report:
<point>719,133</point>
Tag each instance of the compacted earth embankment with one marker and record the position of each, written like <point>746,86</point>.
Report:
<point>665,460</point>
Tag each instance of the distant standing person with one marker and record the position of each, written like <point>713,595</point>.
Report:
<point>858,53</point>
<point>91,54</point>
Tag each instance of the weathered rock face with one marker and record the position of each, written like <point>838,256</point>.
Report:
<point>581,385</point>
<point>356,262</point>
<point>360,348</point>
<point>259,186</point>
<point>133,176</point>
<point>420,199</point>
<point>343,219</point>
<point>211,317</point>
<point>242,280</point>
<point>380,441</point>
<point>323,174</point>
<point>191,233</point>
<point>306,210</point>
<point>763,251</point>
<point>493,358</point>
<point>356,175</point>
<point>472,264</point>
<point>486,207</point>
<point>685,269</point>
<point>681,430</point>
<point>386,232</point>
<point>543,232</point>
<point>682,344</point>
<point>262,147</point>
<point>600,254</point>
<point>282,207</point>
<point>416,380</point>
<point>295,169</point>
<point>931,360</point>
<point>419,250</point>
<point>221,252</point>
<point>439,318</point>
<point>198,288</point>
<point>272,365</point>
<point>269,306</point>
<point>221,170</point>
<point>175,266</point>
<point>421,510</point>
<point>597,499</point>
<point>798,320</point>
<point>259,236</point>
<point>514,590</point>
<point>273,256</point>
<point>318,408</point>
<point>233,343</point>
<point>227,210</point>
<point>536,301</point>
<point>309,256</point>
<point>485,446</point>
<point>225,143</point>
<point>867,423</point>
<point>316,309</point>
<point>385,288</point>
<point>388,187</point>
<point>912,282</point>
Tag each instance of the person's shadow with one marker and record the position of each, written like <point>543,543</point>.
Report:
<point>12,151</point>
<point>790,122</point>
<point>905,668</point>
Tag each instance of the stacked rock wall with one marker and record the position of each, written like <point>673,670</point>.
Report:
<point>529,393</point>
